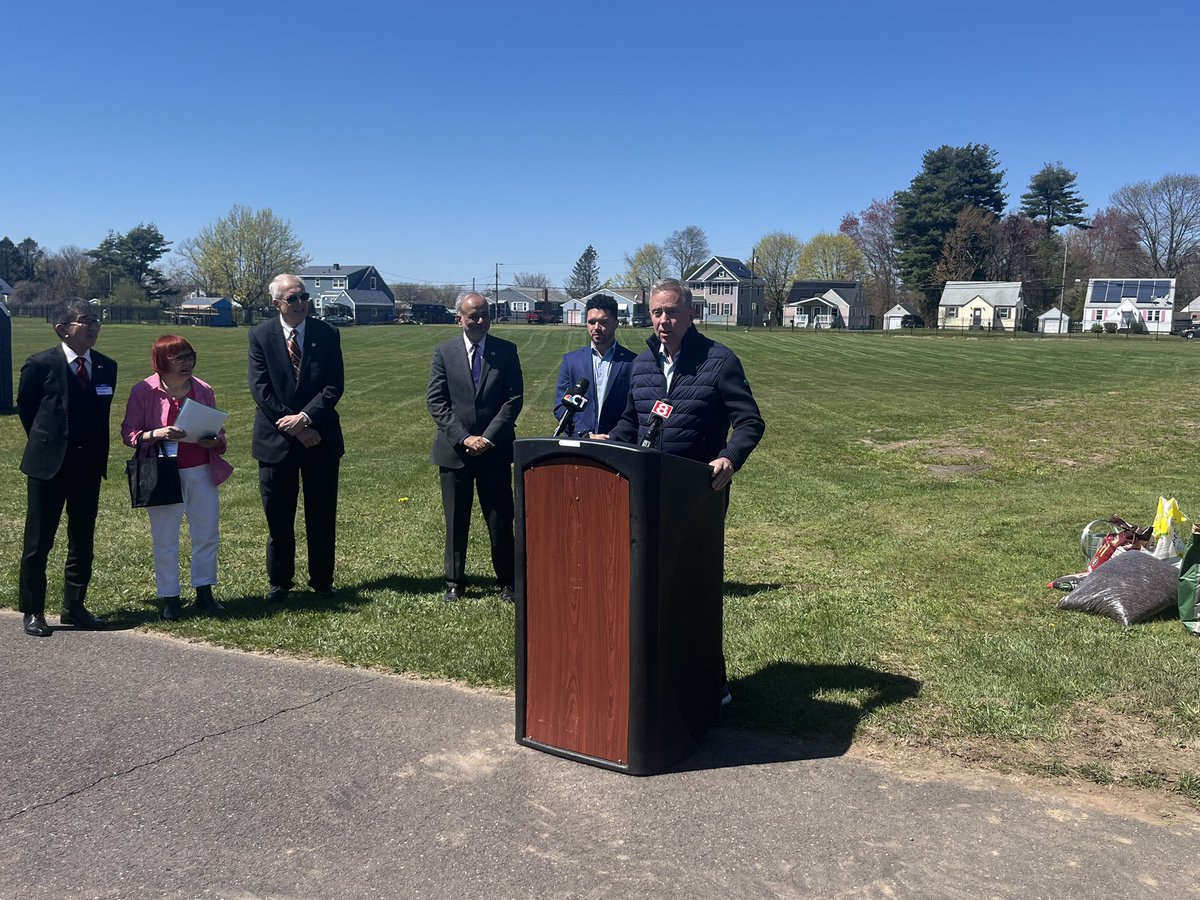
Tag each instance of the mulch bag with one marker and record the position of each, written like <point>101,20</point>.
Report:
<point>1124,536</point>
<point>1130,587</point>
<point>1189,575</point>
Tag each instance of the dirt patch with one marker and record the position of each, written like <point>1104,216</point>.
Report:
<point>954,471</point>
<point>1110,761</point>
<point>891,446</point>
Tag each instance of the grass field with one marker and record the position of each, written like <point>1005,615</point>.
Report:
<point>888,545</point>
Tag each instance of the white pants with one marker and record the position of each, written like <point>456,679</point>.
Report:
<point>201,504</point>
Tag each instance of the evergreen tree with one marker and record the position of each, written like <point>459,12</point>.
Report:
<point>585,277</point>
<point>131,255</point>
<point>1052,198</point>
<point>950,180</point>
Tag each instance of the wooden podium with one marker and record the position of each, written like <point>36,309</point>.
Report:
<point>620,561</point>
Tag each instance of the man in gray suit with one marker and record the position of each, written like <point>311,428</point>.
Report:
<point>475,388</point>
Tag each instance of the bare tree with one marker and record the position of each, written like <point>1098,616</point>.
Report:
<point>687,248</point>
<point>531,280</point>
<point>967,249</point>
<point>1166,216</point>
<point>778,258</point>
<point>874,232</point>
<point>647,265</point>
<point>241,252</point>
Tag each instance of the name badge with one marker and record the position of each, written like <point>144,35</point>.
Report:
<point>104,390</point>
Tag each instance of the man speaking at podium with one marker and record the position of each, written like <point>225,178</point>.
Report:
<point>703,384</point>
<point>686,393</point>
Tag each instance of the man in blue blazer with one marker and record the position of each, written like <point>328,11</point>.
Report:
<point>296,380</point>
<point>63,400</point>
<point>475,394</point>
<point>604,363</point>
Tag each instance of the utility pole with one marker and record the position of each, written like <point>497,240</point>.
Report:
<point>496,295</point>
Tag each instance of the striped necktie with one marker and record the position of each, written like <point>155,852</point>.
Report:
<point>81,372</point>
<point>294,354</point>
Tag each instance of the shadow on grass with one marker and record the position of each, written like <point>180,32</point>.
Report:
<point>739,589</point>
<point>782,713</point>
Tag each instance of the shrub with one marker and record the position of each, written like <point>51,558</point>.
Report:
<point>1110,327</point>
<point>1097,328</point>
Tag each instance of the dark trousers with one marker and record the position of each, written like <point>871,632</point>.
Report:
<point>279,488</point>
<point>493,481</point>
<point>77,487</point>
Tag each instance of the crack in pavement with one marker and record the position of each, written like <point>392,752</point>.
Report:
<point>175,752</point>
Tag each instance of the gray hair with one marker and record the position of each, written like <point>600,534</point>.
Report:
<point>671,286</point>
<point>458,304</point>
<point>276,290</point>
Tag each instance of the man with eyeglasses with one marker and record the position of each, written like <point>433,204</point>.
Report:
<point>296,380</point>
<point>63,400</point>
<point>475,394</point>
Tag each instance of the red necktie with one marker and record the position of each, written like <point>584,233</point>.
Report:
<point>294,354</point>
<point>81,372</point>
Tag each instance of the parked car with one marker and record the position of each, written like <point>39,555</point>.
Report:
<point>911,321</point>
<point>641,322</point>
<point>1190,334</point>
<point>339,320</point>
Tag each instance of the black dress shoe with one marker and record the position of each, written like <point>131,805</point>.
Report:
<point>170,609</point>
<point>508,595</point>
<point>325,593</point>
<point>453,594</point>
<point>36,625</point>
<point>206,603</point>
<point>277,594</point>
<point>80,618</point>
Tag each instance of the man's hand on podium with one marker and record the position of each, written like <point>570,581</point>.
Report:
<point>722,470</point>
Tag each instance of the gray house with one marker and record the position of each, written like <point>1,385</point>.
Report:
<point>358,291</point>
<point>5,291</point>
<point>827,304</point>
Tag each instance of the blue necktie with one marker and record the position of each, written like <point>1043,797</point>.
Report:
<point>476,365</point>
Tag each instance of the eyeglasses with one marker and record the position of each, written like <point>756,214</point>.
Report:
<point>85,323</point>
<point>301,297</point>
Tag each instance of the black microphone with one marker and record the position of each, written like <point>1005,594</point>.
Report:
<point>574,402</point>
<point>659,413</point>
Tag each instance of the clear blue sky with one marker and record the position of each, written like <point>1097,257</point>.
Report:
<point>434,140</point>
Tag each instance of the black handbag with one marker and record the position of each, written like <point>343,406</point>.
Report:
<point>153,477</point>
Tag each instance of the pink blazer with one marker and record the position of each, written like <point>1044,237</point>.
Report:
<point>148,407</point>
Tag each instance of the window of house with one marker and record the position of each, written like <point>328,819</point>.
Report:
<point>317,284</point>
<point>1154,315</point>
<point>1004,312</point>
<point>339,283</point>
<point>729,309</point>
<point>951,312</point>
<point>372,282</point>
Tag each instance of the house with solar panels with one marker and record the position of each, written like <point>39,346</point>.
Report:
<point>982,306</point>
<point>358,291</point>
<point>1130,303</point>
<point>727,292</point>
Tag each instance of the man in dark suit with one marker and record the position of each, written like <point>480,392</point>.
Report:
<point>604,363</point>
<point>296,379</point>
<point>63,400</point>
<point>475,388</point>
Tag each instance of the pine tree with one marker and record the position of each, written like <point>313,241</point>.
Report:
<point>585,277</point>
<point>1052,198</point>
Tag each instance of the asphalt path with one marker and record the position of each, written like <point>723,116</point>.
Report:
<point>133,765</point>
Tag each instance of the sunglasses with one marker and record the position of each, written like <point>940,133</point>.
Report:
<point>301,297</point>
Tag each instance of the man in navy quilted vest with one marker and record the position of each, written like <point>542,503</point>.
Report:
<point>714,418</point>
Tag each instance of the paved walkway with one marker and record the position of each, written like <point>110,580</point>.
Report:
<point>132,765</point>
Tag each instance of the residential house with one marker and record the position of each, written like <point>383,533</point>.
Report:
<point>631,303</point>
<point>893,319</point>
<point>5,291</point>
<point>1185,318</point>
<point>726,292</point>
<point>826,304</point>
<point>982,306</point>
<point>358,291</point>
<point>1130,303</point>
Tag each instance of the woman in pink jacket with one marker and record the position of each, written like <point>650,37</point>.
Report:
<point>150,415</point>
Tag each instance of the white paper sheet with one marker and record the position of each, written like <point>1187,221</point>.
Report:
<point>199,421</point>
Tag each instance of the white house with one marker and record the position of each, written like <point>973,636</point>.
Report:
<point>826,304</point>
<point>631,302</point>
<point>1130,303</point>
<point>981,306</point>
